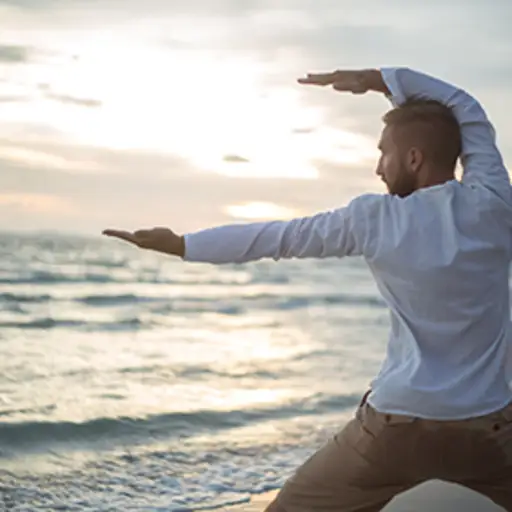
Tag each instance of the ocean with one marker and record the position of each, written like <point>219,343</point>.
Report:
<point>133,381</point>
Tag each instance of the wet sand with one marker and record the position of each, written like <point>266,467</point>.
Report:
<point>257,504</point>
<point>431,496</point>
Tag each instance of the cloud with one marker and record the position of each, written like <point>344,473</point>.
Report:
<point>260,210</point>
<point>67,99</point>
<point>157,189</point>
<point>35,203</point>
<point>285,39</point>
<point>26,155</point>
<point>13,99</point>
<point>14,54</point>
<point>62,157</point>
<point>235,159</point>
<point>26,3</point>
<point>297,36</point>
<point>70,100</point>
<point>303,131</point>
<point>321,33</point>
<point>28,133</point>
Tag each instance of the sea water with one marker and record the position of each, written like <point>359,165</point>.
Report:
<point>133,381</point>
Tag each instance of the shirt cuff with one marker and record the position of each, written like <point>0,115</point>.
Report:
<point>389,75</point>
<point>192,249</point>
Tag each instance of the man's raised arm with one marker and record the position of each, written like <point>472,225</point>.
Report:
<point>481,160</point>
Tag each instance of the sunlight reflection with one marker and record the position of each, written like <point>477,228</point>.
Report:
<point>199,104</point>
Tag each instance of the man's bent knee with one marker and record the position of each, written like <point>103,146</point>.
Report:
<point>274,507</point>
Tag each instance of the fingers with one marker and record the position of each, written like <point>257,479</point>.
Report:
<point>340,80</point>
<point>338,76</point>
<point>117,233</point>
<point>123,235</point>
<point>318,79</point>
<point>348,86</point>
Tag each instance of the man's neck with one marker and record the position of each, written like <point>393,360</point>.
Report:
<point>436,179</point>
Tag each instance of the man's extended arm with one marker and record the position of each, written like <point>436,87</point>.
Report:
<point>481,160</point>
<point>336,233</point>
<point>344,231</point>
<point>341,232</point>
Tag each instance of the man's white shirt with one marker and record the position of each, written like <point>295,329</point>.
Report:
<point>440,258</point>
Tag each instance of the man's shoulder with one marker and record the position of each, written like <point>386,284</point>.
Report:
<point>396,211</point>
<point>371,204</point>
<point>371,200</point>
<point>432,198</point>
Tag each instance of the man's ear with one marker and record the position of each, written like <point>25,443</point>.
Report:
<point>415,159</point>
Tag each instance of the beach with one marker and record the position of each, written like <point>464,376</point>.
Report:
<point>257,503</point>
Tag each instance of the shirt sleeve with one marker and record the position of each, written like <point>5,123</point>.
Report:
<point>481,160</point>
<point>337,233</point>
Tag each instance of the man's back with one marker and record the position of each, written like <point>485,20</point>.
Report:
<point>444,274</point>
<point>439,255</point>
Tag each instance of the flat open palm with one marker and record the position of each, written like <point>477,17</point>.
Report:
<point>157,239</point>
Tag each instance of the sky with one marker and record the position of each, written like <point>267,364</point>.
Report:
<point>187,114</point>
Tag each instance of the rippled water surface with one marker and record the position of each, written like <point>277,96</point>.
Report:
<point>131,381</point>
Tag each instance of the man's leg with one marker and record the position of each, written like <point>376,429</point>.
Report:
<point>354,472</point>
<point>495,460</point>
<point>377,456</point>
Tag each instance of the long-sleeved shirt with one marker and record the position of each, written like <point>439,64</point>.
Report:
<point>440,258</point>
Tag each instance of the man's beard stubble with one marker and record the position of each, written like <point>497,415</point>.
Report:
<point>404,184</point>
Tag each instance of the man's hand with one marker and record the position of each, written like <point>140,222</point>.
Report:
<point>356,82</point>
<point>157,239</point>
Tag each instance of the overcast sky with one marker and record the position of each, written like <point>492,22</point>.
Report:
<point>186,113</point>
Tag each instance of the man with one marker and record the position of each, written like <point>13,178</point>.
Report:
<point>439,250</point>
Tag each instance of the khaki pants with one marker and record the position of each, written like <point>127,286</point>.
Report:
<point>377,456</point>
